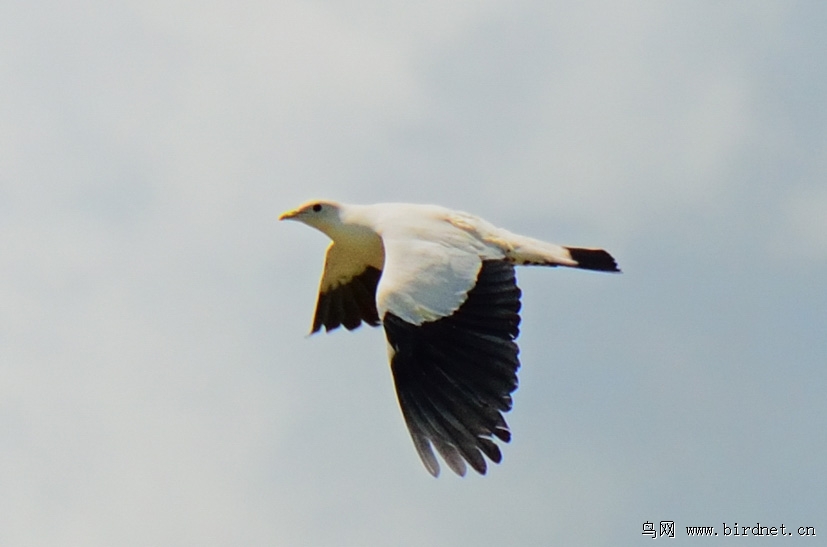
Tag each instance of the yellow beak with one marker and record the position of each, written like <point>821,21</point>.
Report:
<point>290,214</point>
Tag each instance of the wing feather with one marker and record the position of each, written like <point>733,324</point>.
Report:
<point>427,279</point>
<point>347,291</point>
<point>454,375</point>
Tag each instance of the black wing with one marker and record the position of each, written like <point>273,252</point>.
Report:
<point>454,376</point>
<point>349,304</point>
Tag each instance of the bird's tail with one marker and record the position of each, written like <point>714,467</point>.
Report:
<point>593,259</point>
<point>533,252</point>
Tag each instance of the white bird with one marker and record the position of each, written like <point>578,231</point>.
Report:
<point>442,284</point>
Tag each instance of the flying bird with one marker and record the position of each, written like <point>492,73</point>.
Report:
<point>442,284</point>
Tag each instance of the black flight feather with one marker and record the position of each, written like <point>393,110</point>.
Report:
<point>349,304</point>
<point>454,376</point>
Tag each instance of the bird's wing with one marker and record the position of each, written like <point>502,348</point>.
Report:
<point>347,291</point>
<point>451,318</point>
<point>431,271</point>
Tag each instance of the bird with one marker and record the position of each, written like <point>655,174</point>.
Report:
<point>442,284</point>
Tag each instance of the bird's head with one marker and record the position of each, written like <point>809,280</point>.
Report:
<point>322,215</point>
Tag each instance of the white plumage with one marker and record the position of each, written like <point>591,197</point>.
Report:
<point>442,284</point>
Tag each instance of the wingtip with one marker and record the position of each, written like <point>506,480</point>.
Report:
<point>314,328</point>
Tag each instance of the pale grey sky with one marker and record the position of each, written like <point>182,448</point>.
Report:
<point>157,386</point>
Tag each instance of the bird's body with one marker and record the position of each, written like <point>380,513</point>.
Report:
<point>442,284</point>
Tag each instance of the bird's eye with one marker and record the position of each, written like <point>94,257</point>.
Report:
<point>317,207</point>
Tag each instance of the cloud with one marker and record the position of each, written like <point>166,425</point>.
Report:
<point>805,225</point>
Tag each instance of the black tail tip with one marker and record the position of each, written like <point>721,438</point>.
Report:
<point>593,259</point>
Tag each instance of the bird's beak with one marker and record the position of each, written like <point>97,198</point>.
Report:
<point>290,214</point>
